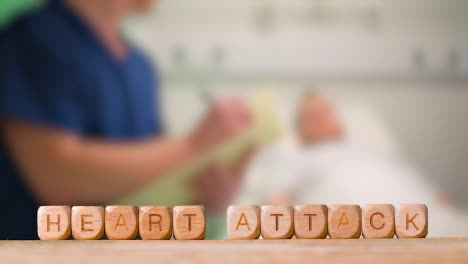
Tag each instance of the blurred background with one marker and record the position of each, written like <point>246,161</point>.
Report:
<point>403,64</point>
<point>396,71</point>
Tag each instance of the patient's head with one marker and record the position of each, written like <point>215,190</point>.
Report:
<point>317,120</point>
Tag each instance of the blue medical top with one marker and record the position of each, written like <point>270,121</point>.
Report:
<point>55,73</point>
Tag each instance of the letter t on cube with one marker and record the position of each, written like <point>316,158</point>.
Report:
<point>310,221</point>
<point>277,222</point>
<point>189,222</point>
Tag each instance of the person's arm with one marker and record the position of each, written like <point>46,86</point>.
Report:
<point>60,167</point>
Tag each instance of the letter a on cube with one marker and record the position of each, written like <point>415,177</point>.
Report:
<point>344,221</point>
<point>243,222</point>
<point>121,222</point>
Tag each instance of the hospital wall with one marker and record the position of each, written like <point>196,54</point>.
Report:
<point>405,63</point>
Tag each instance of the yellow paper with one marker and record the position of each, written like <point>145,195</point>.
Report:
<point>171,191</point>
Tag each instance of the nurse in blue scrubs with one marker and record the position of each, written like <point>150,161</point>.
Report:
<point>80,114</point>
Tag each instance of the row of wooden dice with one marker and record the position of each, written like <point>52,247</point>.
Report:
<point>320,221</point>
<point>243,222</point>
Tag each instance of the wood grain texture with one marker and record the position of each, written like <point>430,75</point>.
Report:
<point>53,222</point>
<point>411,220</point>
<point>311,221</point>
<point>121,222</point>
<point>378,220</point>
<point>363,251</point>
<point>243,222</point>
<point>277,222</point>
<point>155,222</point>
<point>344,221</point>
<point>189,222</point>
<point>87,222</point>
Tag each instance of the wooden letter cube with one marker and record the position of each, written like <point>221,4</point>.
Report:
<point>411,220</point>
<point>311,221</point>
<point>53,222</point>
<point>378,220</point>
<point>277,222</point>
<point>189,222</point>
<point>243,222</point>
<point>87,222</point>
<point>121,222</point>
<point>344,221</point>
<point>155,222</point>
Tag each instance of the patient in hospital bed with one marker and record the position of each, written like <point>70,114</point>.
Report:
<point>324,164</point>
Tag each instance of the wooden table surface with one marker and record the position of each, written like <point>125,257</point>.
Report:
<point>395,251</point>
